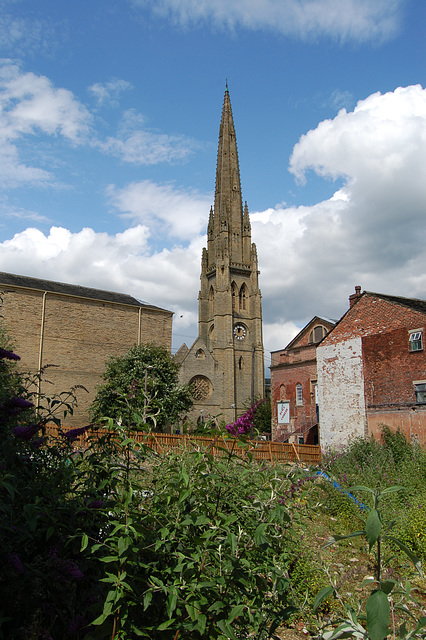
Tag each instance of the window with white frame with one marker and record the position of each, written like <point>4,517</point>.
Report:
<point>299,394</point>
<point>416,340</point>
<point>420,390</point>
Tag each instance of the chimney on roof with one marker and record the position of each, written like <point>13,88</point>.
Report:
<point>354,297</point>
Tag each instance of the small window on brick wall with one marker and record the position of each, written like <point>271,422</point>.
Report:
<point>416,341</point>
<point>299,394</point>
<point>420,389</point>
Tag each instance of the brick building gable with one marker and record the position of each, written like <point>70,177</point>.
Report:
<point>374,313</point>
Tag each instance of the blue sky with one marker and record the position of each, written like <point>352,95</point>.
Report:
<point>109,119</point>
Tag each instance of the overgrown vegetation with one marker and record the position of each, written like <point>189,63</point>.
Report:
<point>114,542</point>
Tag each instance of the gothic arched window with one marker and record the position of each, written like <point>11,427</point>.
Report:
<point>211,300</point>
<point>243,297</point>
<point>234,290</point>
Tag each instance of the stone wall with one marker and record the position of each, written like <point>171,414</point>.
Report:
<point>77,335</point>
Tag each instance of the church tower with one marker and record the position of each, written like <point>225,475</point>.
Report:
<point>225,365</point>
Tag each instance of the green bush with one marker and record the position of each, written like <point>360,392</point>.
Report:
<point>145,382</point>
<point>412,525</point>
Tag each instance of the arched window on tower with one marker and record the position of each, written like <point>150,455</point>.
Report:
<point>211,338</point>
<point>240,363</point>
<point>211,300</point>
<point>243,297</point>
<point>234,290</point>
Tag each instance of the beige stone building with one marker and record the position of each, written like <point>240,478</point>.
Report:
<point>76,329</point>
<point>225,365</point>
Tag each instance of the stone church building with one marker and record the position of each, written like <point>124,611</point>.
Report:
<point>225,365</point>
<point>75,329</point>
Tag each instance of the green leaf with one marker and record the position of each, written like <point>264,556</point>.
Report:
<point>259,534</point>
<point>109,559</point>
<point>373,527</point>
<point>192,611</point>
<point>387,586</point>
<point>321,595</point>
<point>106,612</point>
<point>378,612</point>
<point>414,559</point>
<point>201,623</point>
<point>84,541</point>
<point>165,625</point>
<point>224,626</point>
<point>420,624</point>
<point>171,604</point>
<point>392,490</point>
<point>147,600</point>
<point>123,544</point>
<point>185,477</point>
<point>362,488</point>
<point>335,539</point>
<point>235,612</point>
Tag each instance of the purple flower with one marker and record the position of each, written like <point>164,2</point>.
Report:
<point>8,355</point>
<point>73,434</point>
<point>39,442</point>
<point>14,405</point>
<point>95,504</point>
<point>245,423</point>
<point>26,433</point>
<point>68,569</point>
<point>15,562</point>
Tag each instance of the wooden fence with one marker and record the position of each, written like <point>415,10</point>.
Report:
<point>273,452</point>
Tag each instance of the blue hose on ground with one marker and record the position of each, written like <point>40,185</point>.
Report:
<point>337,486</point>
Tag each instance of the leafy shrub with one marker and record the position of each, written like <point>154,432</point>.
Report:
<point>412,526</point>
<point>397,444</point>
<point>114,542</point>
<point>143,381</point>
<point>203,555</point>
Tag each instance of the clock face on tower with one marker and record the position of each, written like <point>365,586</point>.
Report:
<point>240,331</point>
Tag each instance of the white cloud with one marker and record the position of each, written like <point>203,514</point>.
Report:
<point>25,35</point>
<point>168,211</point>
<point>372,232</point>
<point>109,92</point>
<point>30,105</point>
<point>357,20</point>
<point>32,108</point>
<point>136,144</point>
<point>121,262</point>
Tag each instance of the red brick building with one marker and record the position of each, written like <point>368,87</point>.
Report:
<point>294,385</point>
<point>372,370</point>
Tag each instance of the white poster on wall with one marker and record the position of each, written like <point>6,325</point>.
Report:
<point>283,412</point>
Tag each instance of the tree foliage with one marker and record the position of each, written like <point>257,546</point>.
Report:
<point>143,381</point>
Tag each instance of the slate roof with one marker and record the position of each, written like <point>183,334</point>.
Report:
<point>62,288</point>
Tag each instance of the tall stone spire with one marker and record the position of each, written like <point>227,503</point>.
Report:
<point>228,206</point>
<point>225,364</point>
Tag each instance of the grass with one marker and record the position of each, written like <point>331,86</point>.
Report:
<point>393,462</point>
